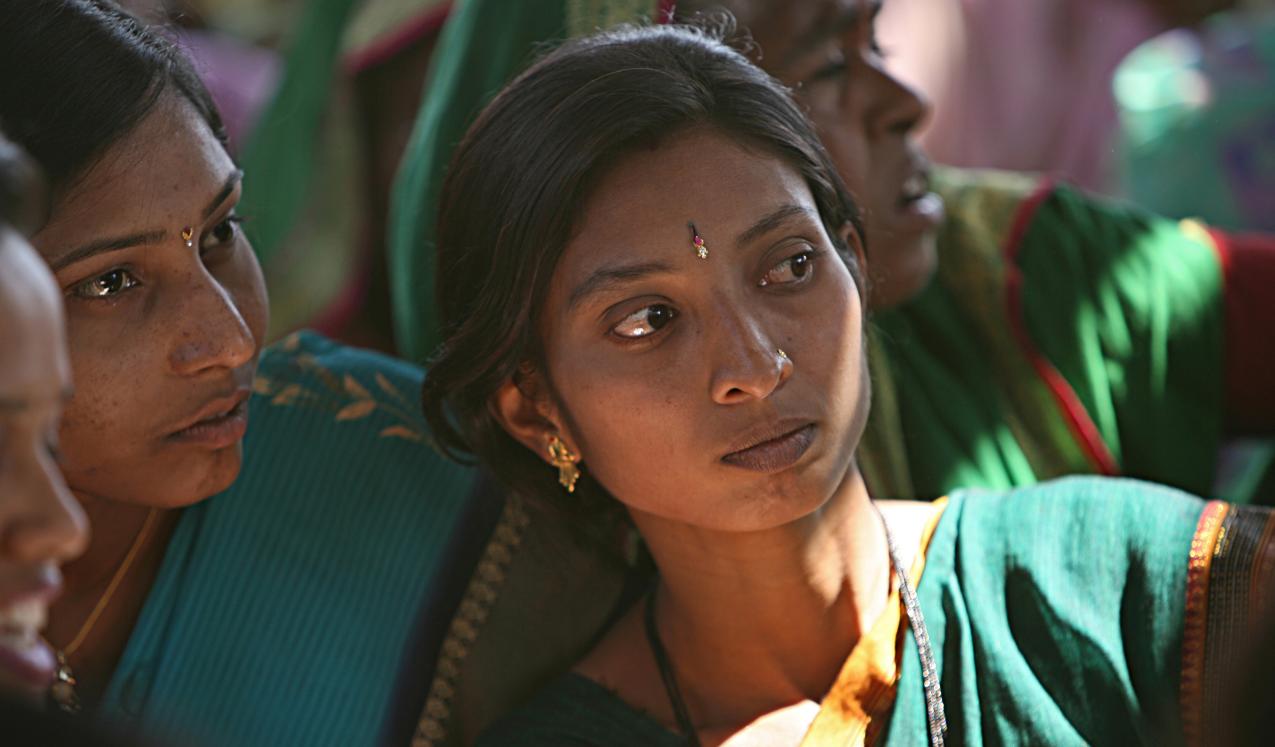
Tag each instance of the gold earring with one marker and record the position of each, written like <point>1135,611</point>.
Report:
<point>564,460</point>
<point>188,235</point>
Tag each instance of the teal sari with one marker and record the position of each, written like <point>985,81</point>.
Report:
<point>285,606</point>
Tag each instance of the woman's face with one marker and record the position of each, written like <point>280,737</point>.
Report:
<point>166,310</point>
<point>664,370</point>
<point>41,525</point>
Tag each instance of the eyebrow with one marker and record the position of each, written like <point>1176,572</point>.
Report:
<point>611,277</point>
<point>824,27</point>
<point>102,246</point>
<point>770,222</point>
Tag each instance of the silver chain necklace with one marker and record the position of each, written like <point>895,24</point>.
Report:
<point>935,714</point>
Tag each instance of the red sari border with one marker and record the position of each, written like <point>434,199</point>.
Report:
<point>1077,418</point>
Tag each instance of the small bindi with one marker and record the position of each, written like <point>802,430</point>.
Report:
<point>188,235</point>
<point>701,250</point>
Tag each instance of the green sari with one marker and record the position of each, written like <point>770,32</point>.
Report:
<point>1062,335</point>
<point>1078,611</point>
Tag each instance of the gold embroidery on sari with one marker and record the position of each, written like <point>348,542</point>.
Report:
<point>346,397</point>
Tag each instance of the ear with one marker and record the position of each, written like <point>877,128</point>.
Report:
<point>523,408</point>
<point>851,238</point>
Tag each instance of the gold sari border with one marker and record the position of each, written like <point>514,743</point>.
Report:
<point>475,606</point>
<point>1195,622</point>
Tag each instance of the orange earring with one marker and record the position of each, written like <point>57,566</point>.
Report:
<point>565,461</point>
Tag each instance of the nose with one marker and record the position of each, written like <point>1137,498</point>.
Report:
<point>211,330</point>
<point>747,365</point>
<point>896,107</point>
<point>45,522</point>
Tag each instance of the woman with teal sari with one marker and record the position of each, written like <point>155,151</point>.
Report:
<point>267,523</point>
<point>652,307</point>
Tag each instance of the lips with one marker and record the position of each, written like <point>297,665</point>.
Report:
<point>220,423</point>
<point>773,448</point>
<point>915,187</point>
<point>918,209</point>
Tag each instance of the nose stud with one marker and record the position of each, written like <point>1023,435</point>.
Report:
<point>782,354</point>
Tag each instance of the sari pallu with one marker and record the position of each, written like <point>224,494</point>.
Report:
<point>1063,613</point>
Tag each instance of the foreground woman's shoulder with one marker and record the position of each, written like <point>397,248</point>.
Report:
<point>361,393</point>
<point>341,421</point>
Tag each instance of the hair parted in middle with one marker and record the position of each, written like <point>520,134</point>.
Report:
<point>522,174</point>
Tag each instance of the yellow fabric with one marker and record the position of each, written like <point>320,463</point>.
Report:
<point>855,709</point>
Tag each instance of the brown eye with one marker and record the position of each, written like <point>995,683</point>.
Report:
<point>106,285</point>
<point>792,270</point>
<point>224,232</point>
<point>646,321</point>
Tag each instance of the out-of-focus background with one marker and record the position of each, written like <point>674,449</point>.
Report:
<point>1168,103</point>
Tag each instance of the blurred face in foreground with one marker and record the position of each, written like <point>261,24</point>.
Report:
<point>41,525</point>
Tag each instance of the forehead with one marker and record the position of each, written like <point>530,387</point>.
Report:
<point>163,171</point>
<point>641,208</point>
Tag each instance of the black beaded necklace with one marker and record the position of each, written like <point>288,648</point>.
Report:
<point>935,715</point>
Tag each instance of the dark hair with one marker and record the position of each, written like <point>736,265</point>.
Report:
<point>80,74</point>
<point>519,178</point>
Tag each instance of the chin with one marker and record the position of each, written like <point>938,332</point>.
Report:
<point>173,482</point>
<point>215,474</point>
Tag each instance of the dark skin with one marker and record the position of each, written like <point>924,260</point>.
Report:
<point>657,374</point>
<point>160,334</point>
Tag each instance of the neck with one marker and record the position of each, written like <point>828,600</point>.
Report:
<point>768,617</point>
<point>115,526</point>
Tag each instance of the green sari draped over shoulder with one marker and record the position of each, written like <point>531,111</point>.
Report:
<point>1077,611</point>
<point>1062,335</point>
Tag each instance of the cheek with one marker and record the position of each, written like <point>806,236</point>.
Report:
<point>831,352</point>
<point>630,422</point>
<point>110,386</point>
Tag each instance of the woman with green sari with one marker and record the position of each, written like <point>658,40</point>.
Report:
<point>267,522</point>
<point>652,306</point>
